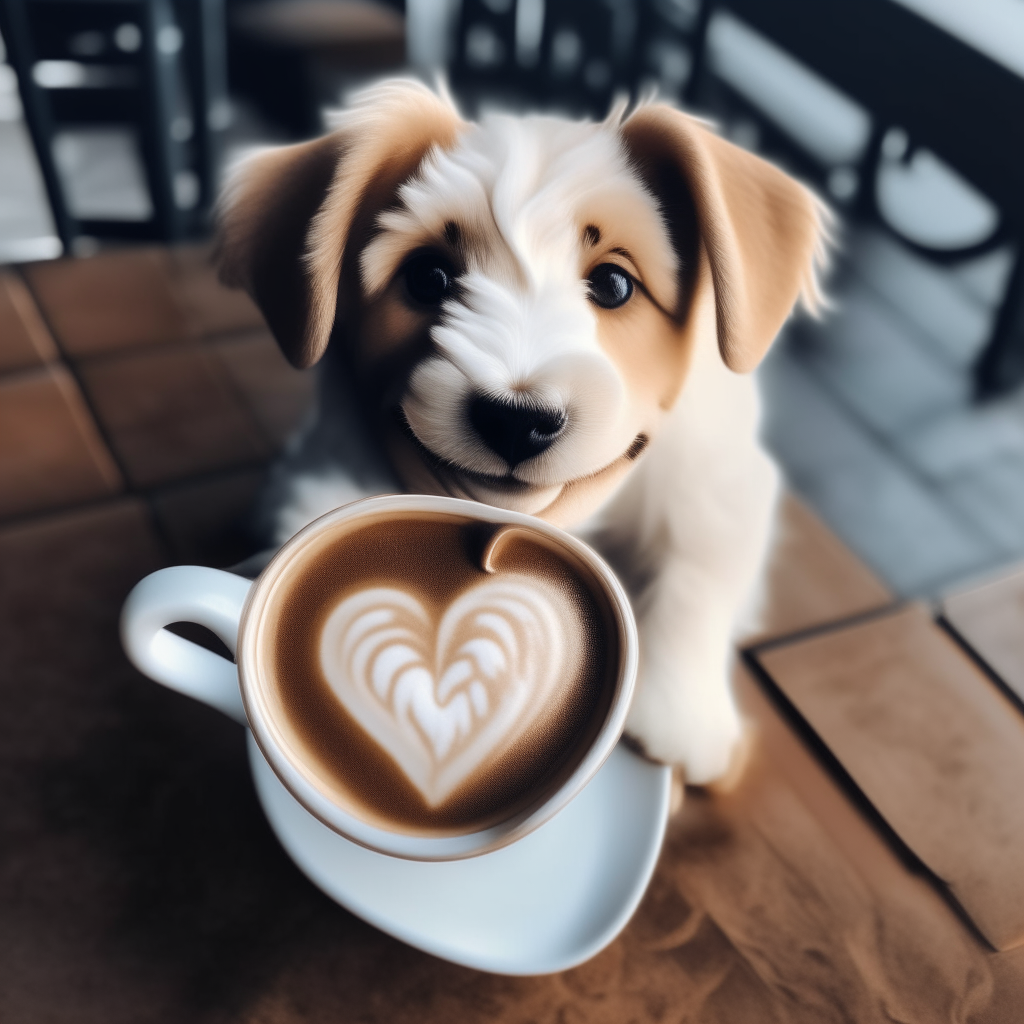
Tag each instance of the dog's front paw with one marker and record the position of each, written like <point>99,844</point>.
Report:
<point>699,731</point>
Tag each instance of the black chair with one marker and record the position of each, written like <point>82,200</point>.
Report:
<point>484,60</point>
<point>587,52</point>
<point>944,94</point>
<point>151,68</point>
<point>577,56</point>
<point>668,34</point>
<point>293,58</point>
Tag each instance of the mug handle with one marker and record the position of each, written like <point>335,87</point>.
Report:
<point>187,593</point>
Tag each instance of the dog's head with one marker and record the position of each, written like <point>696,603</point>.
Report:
<point>517,300</point>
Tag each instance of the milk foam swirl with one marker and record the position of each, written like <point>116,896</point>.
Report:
<point>445,700</point>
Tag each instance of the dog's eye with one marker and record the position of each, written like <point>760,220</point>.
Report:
<point>428,278</point>
<point>610,286</point>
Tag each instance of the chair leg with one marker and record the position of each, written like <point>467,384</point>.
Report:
<point>691,91</point>
<point>14,25</point>
<point>158,151</point>
<point>1000,367</point>
<point>206,70</point>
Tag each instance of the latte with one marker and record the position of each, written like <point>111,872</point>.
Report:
<point>435,675</point>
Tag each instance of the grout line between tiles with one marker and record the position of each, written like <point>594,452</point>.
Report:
<point>128,488</point>
<point>24,373</point>
<point>245,401</point>
<point>759,647</point>
<point>76,376</point>
<point>156,523</point>
<point>205,341</point>
<point>145,493</point>
<point>804,731</point>
<point>980,663</point>
<point>57,511</point>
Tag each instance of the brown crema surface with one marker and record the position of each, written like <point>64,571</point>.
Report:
<point>434,558</point>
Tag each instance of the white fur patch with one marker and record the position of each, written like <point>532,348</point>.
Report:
<point>522,191</point>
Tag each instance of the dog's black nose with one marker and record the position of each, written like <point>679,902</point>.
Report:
<point>515,432</point>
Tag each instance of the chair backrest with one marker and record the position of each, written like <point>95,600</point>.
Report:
<point>909,73</point>
<point>484,57</point>
<point>573,54</point>
<point>587,52</point>
<point>664,52</point>
<point>145,75</point>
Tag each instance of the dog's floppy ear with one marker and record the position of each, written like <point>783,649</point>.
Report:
<point>763,233</point>
<point>284,218</point>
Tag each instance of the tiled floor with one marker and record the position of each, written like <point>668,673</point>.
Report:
<point>136,373</point>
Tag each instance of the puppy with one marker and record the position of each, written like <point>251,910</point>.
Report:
<point>550,316</point>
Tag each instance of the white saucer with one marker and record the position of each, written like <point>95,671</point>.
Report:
<point>543,904</point>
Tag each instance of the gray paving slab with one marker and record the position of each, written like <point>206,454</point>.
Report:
<point>876,361</point>
<point>907,531</point>
<point>991,494</point>
<point>985,278</point>
<point>931,297</point>
<point>957,442</point>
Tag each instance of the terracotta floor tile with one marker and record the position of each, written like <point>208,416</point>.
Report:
<point>813,577</point>
<point>205,521</point>
<point>121,299</point>
<point>51,453</point>
<point>279,395</point>
<point>169,414</point>
<point>935,747</point>
<point>990,617</point>
<point>24,339</point>
<point>209,307</point>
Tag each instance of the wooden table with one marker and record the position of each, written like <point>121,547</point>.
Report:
<point>140,882</point>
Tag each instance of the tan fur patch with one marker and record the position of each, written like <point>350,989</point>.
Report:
<point>763,232</point>
<point>286,216</point>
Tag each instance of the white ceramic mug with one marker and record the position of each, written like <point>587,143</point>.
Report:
<point>234,608</point>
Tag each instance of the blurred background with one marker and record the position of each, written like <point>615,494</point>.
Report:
<point>899,417</point>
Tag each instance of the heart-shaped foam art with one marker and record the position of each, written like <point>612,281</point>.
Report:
<point>445,699</point>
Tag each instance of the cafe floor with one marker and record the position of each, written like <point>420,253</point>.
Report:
<point>865,867</point>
